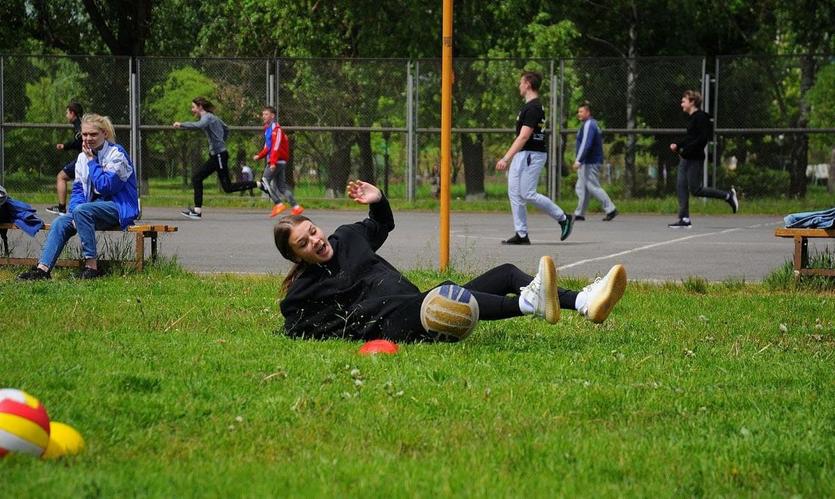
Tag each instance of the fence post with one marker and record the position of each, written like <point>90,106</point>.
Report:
<point>2,124</point>
<point>410,133</point>
<point>552,139</point>
<point>715,119</point>
<point>706,108</point>
<point>277,83</point>
<point>133,115</point>
<point>270,81</point>
<point>559,127</point>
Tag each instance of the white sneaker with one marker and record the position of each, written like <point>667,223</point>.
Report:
<point>541,294</point>
<point>604,293</point>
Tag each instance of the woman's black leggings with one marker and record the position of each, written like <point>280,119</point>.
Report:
<point>216,163</point>
<point>492,287</point>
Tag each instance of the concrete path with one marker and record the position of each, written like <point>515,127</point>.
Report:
<point>716,248</point>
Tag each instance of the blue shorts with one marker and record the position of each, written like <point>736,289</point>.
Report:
<point>69,169</point>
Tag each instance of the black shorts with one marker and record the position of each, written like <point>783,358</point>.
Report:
<point>69,169</point>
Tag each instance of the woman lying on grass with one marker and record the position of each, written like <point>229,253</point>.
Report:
<point>103,196</point>
<point>340,288</point>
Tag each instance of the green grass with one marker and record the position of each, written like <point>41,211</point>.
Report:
<point>172,193</point>
<point>783,277</point>
<point>182,386</point>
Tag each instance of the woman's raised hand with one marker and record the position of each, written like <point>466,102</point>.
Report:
<point>363,192</point>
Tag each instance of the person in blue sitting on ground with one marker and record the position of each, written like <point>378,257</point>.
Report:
<point>103,196</point>
<point>340,287</point>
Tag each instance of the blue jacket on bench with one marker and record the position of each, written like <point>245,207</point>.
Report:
<point>116,182</point>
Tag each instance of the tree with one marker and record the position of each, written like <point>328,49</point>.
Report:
<point>124,25</point>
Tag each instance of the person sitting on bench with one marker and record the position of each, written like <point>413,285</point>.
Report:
<point>103,196</point>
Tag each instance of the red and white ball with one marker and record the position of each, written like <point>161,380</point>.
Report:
<point>24,423</point>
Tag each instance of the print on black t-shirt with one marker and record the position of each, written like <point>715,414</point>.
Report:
<point>533,115</point>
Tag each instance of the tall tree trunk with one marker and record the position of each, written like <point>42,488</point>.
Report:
<point>340,163</point>
<point>631,140</point>
<point>472,150</point>
<point>800,144</point>
<point>366,168</point>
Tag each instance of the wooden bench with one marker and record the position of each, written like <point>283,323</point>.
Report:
<point>141,231</point>
<point>801,248</point>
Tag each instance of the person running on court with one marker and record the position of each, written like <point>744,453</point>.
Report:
<point>217,132</point>
<point>692,151</point>
<point>340,287</point>
<point>587,164</point>
<point>67,173</point>
<point>276,150</point>
<point>103,196</point>
<point>526,157</point>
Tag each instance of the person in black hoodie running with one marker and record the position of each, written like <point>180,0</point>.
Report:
<point>340,288</point>
<point>692,151</point>
<point>67,173</point>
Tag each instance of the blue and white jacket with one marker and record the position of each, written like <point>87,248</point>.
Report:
<point>589,143</point>
<point>109,176</point>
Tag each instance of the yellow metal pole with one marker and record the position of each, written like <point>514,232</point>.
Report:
<point>446,133</point>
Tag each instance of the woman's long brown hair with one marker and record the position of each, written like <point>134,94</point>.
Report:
<point>281,235</point>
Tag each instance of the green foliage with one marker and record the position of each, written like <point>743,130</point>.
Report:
<point>822,115</point>
<point>171,101</point>
<point>756,181</point>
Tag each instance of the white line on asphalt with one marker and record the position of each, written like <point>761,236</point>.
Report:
<point>662,243</point>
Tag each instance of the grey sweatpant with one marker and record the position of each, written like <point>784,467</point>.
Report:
<point>588,183</point>
<point>522,179</point>
<point>277,184</point>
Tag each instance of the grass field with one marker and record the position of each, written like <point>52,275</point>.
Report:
<point>183,386</point>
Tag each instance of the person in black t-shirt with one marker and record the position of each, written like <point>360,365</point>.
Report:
<point>67,173</point>
<point>692,151</point>
<point>340,287</point>
<point>526,157</point>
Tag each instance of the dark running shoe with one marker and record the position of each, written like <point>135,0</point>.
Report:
<point>57,210</point>
<point>579,218</point>
<point>681,224</point>
<point>609,216</point>
<point>34,274</point>
<point>190,213</point>
<point>517,240</point>
<point>89,273</point>
<point>566,226</point>
<point>733,200</point>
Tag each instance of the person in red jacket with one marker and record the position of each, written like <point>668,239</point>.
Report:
<point>276,150</point>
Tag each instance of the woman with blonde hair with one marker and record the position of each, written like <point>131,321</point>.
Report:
<point>103,196</point>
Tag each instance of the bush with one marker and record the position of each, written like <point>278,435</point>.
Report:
<point>752,182</point>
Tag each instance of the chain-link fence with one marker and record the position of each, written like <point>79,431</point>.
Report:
<point>378,119</point>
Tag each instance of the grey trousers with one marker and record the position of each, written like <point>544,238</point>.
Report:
<point>588,184</point>
<point>522,179</point>
<point>277,184</point>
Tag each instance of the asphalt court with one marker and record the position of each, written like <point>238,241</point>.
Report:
<point>716,248</point>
